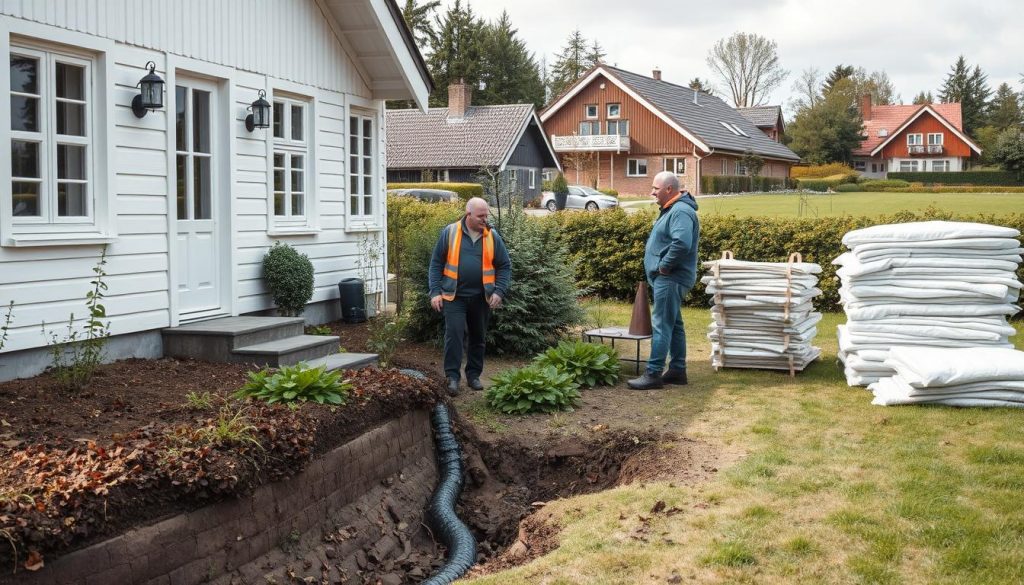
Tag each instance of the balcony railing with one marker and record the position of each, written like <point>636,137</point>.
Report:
<point>922,149</point>
<point>594,142</point>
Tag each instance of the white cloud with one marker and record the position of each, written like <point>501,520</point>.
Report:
<point>916,43</point>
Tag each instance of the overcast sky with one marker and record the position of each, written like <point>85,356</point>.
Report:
<point>915,42</point>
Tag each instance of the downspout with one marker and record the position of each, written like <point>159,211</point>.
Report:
<point>452,531</point>
<point>698,177</point>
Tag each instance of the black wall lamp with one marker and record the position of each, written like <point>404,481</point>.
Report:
<point>151,96</point>
<point>260,116</point>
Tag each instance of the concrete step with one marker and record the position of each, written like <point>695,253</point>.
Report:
<point>285,352</point>
<point>345,361</point>
<point>216,339</point>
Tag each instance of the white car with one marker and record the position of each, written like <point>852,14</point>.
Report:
<point>580,197</point>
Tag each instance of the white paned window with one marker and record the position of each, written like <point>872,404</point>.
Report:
<point>361,155</point>
<point>52,176</point>
<point>614,111</point>
<point>859,165</point>
<point>935,139</point>
<point>915,139</point>
<point>908,166</point>
<point>636,167</point>
<point>676,165</point>
<point>618,127</point>
<point>741,169</point>
<point>725,167</point>
<point>590,128</point>
<point>590,110</point>
<point>291,129</point>
<point>940,166</point>
<point>533,178</point>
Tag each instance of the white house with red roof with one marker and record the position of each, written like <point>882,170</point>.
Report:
<point>912,138</point>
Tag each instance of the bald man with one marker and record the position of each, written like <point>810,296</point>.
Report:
<point>470,273</point>
<point>670,263</point>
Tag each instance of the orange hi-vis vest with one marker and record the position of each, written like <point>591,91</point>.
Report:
<point>450,277</point>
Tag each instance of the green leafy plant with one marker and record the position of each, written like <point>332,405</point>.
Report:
<point>75,357</point>
<point>386,332</point>
<point>559,184</point>
<point>289,276</point>
<point>532,389</point>
<point>589,364</point>
<point>298,383</point>
<point>319,330</point>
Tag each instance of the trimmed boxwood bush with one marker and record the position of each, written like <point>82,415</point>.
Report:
<point>883,184</point>
<point>289,276</point>
<point>849,188</point>
<point>960,178</point>
<point>465,190</point>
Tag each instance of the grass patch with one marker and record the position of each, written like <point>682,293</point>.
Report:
<point>482,414</point>
<point>730,553</point>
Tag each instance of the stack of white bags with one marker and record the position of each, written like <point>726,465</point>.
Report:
<point>932,284</point>
<point>980,376</point>
<point>763,316</point>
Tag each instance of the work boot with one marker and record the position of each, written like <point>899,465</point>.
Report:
<point>675,377</point>
<point>453,387</point>
<point>475,384</point>
<point>646,382</point>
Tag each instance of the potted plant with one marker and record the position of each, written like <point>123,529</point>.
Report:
<point>561,190</point>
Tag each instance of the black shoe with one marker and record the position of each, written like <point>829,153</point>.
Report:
<point>646,382</point>
<point>453,387</point>
<point>675,377</point>
<point>475,384</point>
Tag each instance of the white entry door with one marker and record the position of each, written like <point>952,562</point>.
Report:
<point>200,266</point>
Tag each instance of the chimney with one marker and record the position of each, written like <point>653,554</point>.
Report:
<point>865,106</point>
<point>656,74</point>
<point>459,95</point>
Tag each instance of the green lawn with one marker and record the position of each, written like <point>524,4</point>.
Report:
<point>815,485</point>
<point>858,204</point>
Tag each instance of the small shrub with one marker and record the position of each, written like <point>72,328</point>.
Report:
<point>589,364</point>
<point>197,401</point>
<point>850,188</point>
<point>547,185</point>
<point>532,389</point>
<point>74,358</point>
<point>466,191</point>
<point>318,330</point>
<point>289,276</point>
<point>298,383</point>
<point>821,186</point>
<point>883,184</point>
<point>559,184</point>
<point>386,332</point>
<point>609,191</point>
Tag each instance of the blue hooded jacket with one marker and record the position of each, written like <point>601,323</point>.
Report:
<point>672,245</point>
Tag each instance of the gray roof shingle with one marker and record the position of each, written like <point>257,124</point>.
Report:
<point>703,119</point>
<point>761,115</point>
<point>481,138</point>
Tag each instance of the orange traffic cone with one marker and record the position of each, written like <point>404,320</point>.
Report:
<point>640,322</point>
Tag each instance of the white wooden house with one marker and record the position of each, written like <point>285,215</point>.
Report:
<point>187,199</point>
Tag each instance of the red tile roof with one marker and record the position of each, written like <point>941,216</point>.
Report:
<point>892,117</point>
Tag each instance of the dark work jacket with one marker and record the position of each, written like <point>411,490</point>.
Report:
<point>471,263</point>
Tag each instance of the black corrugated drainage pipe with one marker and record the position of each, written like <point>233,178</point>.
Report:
<point>452,531</point>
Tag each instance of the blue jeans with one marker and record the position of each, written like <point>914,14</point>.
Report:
<point>667,323</point>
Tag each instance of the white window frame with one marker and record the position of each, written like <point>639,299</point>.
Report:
<point>675,164</point>
<point>741,169</point>
<point>939,142</point>
<point>945,166</point>
<point>288,147</point>
<point>637,162</point>
<point>590,111</point>
<point>725,166</point>
<point>912,166</point>
<point>618,111</point>
<point>533,178</point>
<point>859,165</point>
<point>357,159</point>
<point>915,139</point>
<point>593,125</point>
<point>619,125</point>
<point>98,227</point>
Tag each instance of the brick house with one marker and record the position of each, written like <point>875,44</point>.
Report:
<point>768,119</point>
<point>912,138</point>
<point>617,129</point>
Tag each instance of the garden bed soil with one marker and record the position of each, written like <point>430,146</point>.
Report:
<point>514,464</point>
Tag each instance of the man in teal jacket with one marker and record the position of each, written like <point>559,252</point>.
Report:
<point>670,263</point>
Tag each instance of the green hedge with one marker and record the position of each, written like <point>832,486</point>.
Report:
<point>995,178</point>
<point>608,247</point>
<point>743,184</point>
<point>465,190</point>
<point>883,185</point>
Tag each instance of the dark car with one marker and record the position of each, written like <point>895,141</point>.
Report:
<point>428,195</point>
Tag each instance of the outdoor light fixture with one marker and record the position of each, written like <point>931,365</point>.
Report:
<point>151,96</point>
<point>260,116</point>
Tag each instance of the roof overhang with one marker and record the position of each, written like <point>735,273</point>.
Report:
<point>937,116</point>
<point>567,96</point>
<point>519,137</point>
<point>375,36</point>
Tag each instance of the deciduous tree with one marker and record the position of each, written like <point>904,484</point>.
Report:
<point>831,129</point>
<point>749,65</point>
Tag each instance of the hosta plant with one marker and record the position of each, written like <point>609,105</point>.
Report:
<point>589,364</point>
<point>532,389</point>
<point>298,383</point>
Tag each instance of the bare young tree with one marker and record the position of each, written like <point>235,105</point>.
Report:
<point>749,65</point>
<point>806,90</point>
